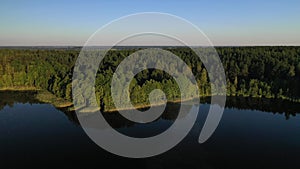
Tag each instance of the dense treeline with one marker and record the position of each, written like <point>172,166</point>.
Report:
<point>42,69</point>
<point>271,72</point>
<point>262,71</point>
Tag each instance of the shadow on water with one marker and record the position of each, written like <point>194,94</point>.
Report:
<point>275,106</point>
<point>253,133</point>
<point>11,97</point>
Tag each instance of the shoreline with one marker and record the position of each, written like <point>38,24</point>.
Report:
<point>146,106</point>
<point>20,89</point>
<point>43,96</point>
<point>149,105</point>
<point>47,97</point>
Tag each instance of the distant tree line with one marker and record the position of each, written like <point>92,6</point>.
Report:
<point>269,72</point>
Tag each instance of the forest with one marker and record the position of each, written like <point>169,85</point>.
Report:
<point>266,72</point>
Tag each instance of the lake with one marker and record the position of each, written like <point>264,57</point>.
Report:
<point>253,133</point>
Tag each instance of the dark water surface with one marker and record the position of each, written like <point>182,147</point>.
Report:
<point>253,133</point>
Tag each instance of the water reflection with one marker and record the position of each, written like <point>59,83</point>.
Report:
<point>275,106</point>
<point>253,133</point>
<point>11,97</point>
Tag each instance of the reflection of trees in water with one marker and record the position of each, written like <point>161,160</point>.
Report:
<point>11,97</point>
<point>116,120</point>
<point>274,106</point>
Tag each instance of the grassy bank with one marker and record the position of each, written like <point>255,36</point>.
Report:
<point>22,88</point>
<point>146,106</point>
<point>47,97</point>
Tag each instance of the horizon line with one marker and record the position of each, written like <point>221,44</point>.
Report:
<point>250,45</point>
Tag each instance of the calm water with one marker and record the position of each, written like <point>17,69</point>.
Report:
<point>253,133</point>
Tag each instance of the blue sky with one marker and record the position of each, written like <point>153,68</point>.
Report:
<point>59,22</point>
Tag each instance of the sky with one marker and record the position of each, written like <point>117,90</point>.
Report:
<point>226,23</point>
